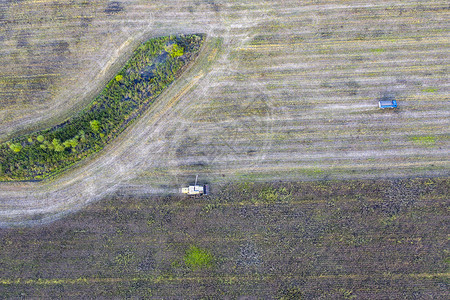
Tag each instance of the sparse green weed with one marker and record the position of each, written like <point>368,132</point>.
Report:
<point>424,140</point>
<point>196,258</point>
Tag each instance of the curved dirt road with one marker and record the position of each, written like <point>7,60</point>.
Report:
<point>141,144</point>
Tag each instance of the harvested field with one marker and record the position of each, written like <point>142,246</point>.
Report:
<point>285,91</point>
<point>154,65</point>
<point>361,239</point>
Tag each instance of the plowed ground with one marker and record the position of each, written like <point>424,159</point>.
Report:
<point>358,239</point>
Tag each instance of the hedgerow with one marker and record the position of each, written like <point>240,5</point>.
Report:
<point>154,65</point>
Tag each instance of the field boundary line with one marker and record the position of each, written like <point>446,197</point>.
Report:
<point>89,280</point>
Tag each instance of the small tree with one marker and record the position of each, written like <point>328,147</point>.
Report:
<point>82,136</point>
<point>59,148</point>
<point>66,144</point>
<point>16,147</point>
<point>95,126</point>
<point>57,145</point>
<point>176,51</point>
<point>73,142</point>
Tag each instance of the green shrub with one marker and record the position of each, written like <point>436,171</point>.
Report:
<point>59,148</point>
<point>82,136</point>
<point>40,138</point>
<point>196,258</point>
<point>268,194</point>
<point>176,51</point>
<point>57,145</point>
<point>16,147</point>
<point>95,126</point>
<point>73,142</point>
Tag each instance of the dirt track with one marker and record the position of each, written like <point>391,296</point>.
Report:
<point>281,91</point>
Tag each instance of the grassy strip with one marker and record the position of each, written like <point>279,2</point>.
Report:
<point>153,67</point>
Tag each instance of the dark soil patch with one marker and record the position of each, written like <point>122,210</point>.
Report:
<point>316,240</point>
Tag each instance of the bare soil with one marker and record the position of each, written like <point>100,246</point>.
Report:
<point>354,239</point>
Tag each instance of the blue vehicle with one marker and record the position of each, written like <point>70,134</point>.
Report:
<point>387,104</point>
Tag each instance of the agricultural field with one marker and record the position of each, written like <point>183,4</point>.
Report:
<point>154,65</point>
<point>356,239</point>
<point>316,192</point>
<point>282,91</point>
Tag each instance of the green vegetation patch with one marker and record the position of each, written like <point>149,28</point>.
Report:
<point>271,194</point>
<point>15,147</point>
<point>197,258</point>
<point>175,51</point>
<point>154,65</point>
<point>424,140</point>
<point>429,90</point>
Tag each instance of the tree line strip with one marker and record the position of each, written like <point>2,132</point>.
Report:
<point>154,65</point>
